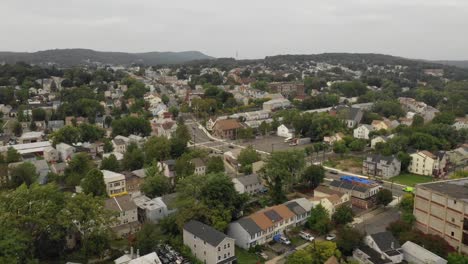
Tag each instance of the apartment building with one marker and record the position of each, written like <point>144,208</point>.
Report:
<point>381,166</point>
<point>260,227</point>
<point>427,163</point>
<point>208,244</point>
<point>115,183</point>
<point>441,208</point>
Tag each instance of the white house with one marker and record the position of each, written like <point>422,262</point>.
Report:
<point>427,163</point>
<point>65,151</point>
<point>284,131</point>
<point>461,123</point>
<point>362,131</point>
<point>414,253</point>
<point>115,183</point>
<point>250,184</point>
<point>127,219</point>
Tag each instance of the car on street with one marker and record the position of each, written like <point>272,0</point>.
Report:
<point>330,237</point>
<point>408,189</point>
<point>306,236</point>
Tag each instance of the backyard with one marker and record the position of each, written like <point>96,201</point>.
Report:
<point>411,179</point>
<point>348,163</point>
<point>243,256</point>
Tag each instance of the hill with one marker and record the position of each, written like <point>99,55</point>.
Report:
<point>457,63</point>
<point>71,57</point>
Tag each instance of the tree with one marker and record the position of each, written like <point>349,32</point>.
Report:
<point>214,165</point>
<point>77,168</point>
<point>134,158</point>
<point>455,258</point>
<point>247,156</point>
<point>343,215</point>
<point>12,155</point>
<point>157,148</point>
<point>184,167</point>
<point>340,147</point>
<point>388,108</point>
<point>418,121</point>
<point>317,253</point>
<point>407,203</point>
<point>38,114</point>
<point>155,184</point>
<point>384,197</point>
<point>110,163</point>
<point>17,129</point>
<point>131,125</point>
<point>90,133</point>
<point>23,173</point>
<point>67,134</point>
<point>405,159</point>
<point>32,126</point>
<point>245,133</point>
<point>165,99</point>
<point>313,176</point>
<point>348,239</point>
<point>447,118</point>
<point>108,147</point>
<point>146,237</point>
<point>319,220</point>
<point>174,111</point>
<point>93,183</point>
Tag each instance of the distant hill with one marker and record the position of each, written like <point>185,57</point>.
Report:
<point>457,63</point>
<point>71,57</point>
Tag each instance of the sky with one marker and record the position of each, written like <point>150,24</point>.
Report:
<point>423,29</point>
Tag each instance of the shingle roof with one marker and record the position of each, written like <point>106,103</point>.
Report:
<point>249,179</point>
<point>385,240</point>
<point>249,225</point>
<point>205,232</point>
<point>295,208</point>
<point>374,256</point>
<point>348,186</point>
<point>120,203</point>
<point>228,124</point>
<point>273,216</point>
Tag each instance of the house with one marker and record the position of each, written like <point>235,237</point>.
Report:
<point>367,255</point>
<point>362,193</point>
<point>131,258</point>
<point>208,244</point>
<point>427,163</point>
<point>151,210</point>
<point>329,199</point>
<point>379,124</point>
<point>115,183</point>
<point>380,139</point>
<point>381,166</point>
<point>127,215</point>
<point>284,131</point>
<point>362,131</point>
<point>30,137</point>
<point>226,129</point>
<point>458,157</point>
<point>440,209</point>
<point>58,168</point>
<point>461,123</point>
<point>414,253</point>
<point>120,144</point>
<point>274,104</point>
<point>350,115</point>
<point>51,154</point>
<point>231,157</point>
<point>250,184</point>
<point>133,180</point>
<point>199,165</point>
<point>334,138</point>
<point>211,122</point>
<point>41,167</point>
<point>426,111</point>
<point>65,151</point>
<point>168,169</point>
<point>260,227</point>
<point>54,125</point>
<point>386,245</point>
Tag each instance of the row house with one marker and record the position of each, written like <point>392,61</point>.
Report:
<point>260,227</point>
<point>381,166</point>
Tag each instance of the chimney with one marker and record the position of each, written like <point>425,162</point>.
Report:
<point>393,245</point>
<point>131,252</point>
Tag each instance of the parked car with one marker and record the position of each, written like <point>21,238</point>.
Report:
<point>306,236</point>
<point>285,240</point>
<point>330,237</point>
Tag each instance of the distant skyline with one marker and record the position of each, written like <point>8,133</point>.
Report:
<point>419,29</point>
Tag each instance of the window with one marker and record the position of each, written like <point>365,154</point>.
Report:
<point>219,248</point>
<point>229,245</point>
<point>224,246</point>
<point>452,233</point>
<point>219,257</point>
<point>224,255</point>
<point>204,253</point>
<point>194,245</point>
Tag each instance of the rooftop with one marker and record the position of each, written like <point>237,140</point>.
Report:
<point>120,203</point>
<point>205,232</point>
<point>457,189</point>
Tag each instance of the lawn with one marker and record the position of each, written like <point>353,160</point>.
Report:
<point>411,179</point>
<point>243,256</point>
<point>347,163</point>
<point>297,241</point>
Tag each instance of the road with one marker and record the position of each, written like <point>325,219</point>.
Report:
<point>378,220</point>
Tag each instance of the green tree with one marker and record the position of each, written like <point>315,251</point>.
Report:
<point>340,147</point>
<point>38,114</point>
<point>184,167</point>
<point>131,125</point>
<point>319,220</point>
<point>78,167</point>
<point>319,253</point>
<point>348,239</point>
<point>247,157</point>
<point>93,183</point>
<point>32,126</point>
<point>108,147</point>
<point>313,175</point>
<point>17,129</point>
<point>447,118</point>
<point>12,155</point>
<point>407,203</point>
<point>110,163</point>
<point>67,134</point>
<point>23,173</point>
<point>214,164</point>
<point>146,237</point>
<point>134,158</point>
<point>174,111</point>
<point>343,215</point>
<point>155,184</point>
<point>384,197</point>
<point>90,133</point>
<point>157,148</point>
<point>455,258</point>
<point>165,99</point>
<point>405,160</point>
<point>417,121</point>
<point>245,133</point>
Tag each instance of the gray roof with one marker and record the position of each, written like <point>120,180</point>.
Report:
<point>249,225</point>
<point>352,112</point>
<point>457,189</point>
<point>205,232</point>
<point>197,162</point>
<point>374,256</point>
<point>377,158</point>
<point>249,179</point>
<point>384,241</point>
<point>295,208</point>
<point>169,200</point>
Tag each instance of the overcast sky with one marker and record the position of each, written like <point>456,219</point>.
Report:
<point>427,29</point>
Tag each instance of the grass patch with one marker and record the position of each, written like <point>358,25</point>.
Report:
<point>243,256</point>
<point>297,241</point>
<point>411,179</point>
<point>346,163</point>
